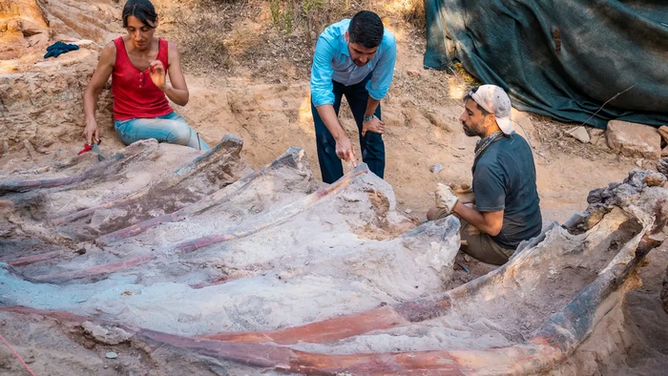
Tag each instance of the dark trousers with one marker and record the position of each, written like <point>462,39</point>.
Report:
<point>373,148</point>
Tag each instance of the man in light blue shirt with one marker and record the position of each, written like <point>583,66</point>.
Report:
<point>353,58</point>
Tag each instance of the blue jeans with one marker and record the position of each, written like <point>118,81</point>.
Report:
<point>170,128</point>
<point>373,148</point>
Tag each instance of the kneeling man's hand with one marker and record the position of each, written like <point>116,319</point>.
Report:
<point>445,198</point>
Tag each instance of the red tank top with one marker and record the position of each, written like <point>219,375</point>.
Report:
<point>135,94</point>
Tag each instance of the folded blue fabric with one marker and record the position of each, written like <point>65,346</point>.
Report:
<point>59,48</point>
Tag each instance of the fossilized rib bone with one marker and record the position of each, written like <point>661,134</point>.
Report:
<point>290,157</point>
<point>217,168</point>
<point>103,169</point>
<point>553,342</point>
<point>267,220</point>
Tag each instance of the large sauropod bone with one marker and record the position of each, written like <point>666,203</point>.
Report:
<point>292,157</point>
<point>435,306</point>
<point>553,342</point>
<point>288,176</point>
<point>217,168</point>
<point>268,220</point>
<point>279,217</point>
<point>24,261</point>
<point>347,268</point>
<point>320,294</point>
<point>101,170</point>
<point>536,277</point>
<point>69,175</point>
<point>134,168</point>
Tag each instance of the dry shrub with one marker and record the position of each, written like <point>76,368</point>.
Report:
<point>218,35</point>
<point>207,48</point>
<point>202,30</point>
<point>463,75</point>
<point>411,11</point>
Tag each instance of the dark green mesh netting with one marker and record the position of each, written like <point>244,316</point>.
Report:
<point>563,59</point>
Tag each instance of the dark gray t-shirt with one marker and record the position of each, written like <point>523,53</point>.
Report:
<point>504,178</point>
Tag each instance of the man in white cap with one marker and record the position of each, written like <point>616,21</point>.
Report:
<point>506,207</point>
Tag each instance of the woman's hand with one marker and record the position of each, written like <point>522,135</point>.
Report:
<point>157,73</point>
<point>91,132</point>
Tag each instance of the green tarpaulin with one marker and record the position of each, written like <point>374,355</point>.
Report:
<point>563,59</point>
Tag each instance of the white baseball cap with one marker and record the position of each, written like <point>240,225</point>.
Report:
<point>495,101</point>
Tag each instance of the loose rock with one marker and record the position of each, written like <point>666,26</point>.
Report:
<point>580,134</point>
<point>109,336</point>
<point>111,355</point>
<point>436,168</point>
<point>654,180</point>
<point>662,166</point>
<point>597,137</point>
<point>633,139</point>
<point>663,131</point>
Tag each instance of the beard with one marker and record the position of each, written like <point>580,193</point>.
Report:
<point>473,130</point>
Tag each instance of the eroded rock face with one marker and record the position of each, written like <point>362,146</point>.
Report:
<point>44,105</point>
<point>28,26</point>
<point>23,23</point>
<point>633,139</point>
<point>41,99</point>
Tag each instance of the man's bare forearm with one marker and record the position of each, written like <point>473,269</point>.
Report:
<point>328,116</point>
<point>490,226</point>
<point>371,106</point>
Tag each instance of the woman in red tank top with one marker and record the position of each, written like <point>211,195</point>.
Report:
<point>138,64</point>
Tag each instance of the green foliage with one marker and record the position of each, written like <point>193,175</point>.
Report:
<point>275,12</point>
<point>310,9</point>
<point>288,16</point>
<point>311,5</point>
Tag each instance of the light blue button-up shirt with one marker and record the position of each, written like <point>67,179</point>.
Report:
<point>331,61</point>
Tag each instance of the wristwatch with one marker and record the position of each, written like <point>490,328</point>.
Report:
<point>369,118</point>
